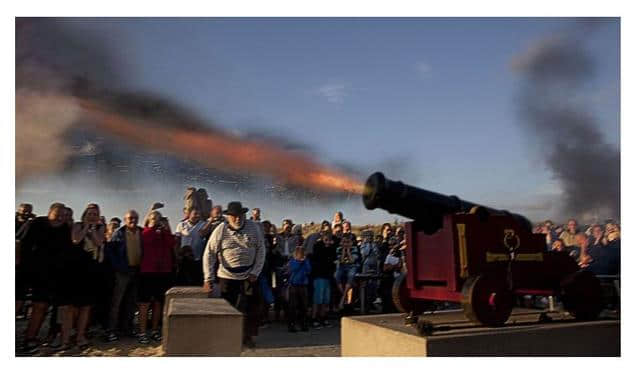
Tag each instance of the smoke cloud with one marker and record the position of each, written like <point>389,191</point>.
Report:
<point>556,71</point>
<point>71,110</point>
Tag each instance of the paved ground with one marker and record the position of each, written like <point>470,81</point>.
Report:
<point>273,341</point>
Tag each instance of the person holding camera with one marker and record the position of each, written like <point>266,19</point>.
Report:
<point>570,237</point>
<point>349,260</point>
<point>191,236</point>
<point>23,215</point>
<point>78,282</point>
<point>214,220</point>
<point>323,267</point>
<point>156,273</point>
<point>390,271</point>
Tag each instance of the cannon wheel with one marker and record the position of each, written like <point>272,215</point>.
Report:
<point>401,299</point>
<point>581,295</point>
<point>487,300</point>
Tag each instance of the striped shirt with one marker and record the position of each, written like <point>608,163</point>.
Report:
<point>238,249</point>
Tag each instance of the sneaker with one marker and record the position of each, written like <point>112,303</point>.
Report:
<point>82,343</point>
<point>111,337</point>
<point>292,329</point>
<point>316,325</point>
<point>156,336</point>
<point>56,343</point>
<point>31,347</point>
<point>50,339</point>
<point>326,324</point>
<point>63,347</point>
<point>143,338</point>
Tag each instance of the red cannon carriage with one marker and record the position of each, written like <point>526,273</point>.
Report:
<point>458,251</point>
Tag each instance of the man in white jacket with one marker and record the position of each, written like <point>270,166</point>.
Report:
<point>238,248</point>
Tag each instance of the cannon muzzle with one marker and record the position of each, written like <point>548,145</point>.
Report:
<point>423,206</point>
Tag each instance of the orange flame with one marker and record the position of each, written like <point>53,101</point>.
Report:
<point>220,151</point>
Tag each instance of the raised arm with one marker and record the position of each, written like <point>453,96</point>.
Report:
<point>98,234</point>
<point>78,232</point>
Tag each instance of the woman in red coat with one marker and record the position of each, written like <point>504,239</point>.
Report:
<point>156,276</point>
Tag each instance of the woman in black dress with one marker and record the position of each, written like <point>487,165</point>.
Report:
<point>78,291</point>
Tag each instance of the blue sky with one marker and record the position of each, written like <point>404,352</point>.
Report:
<point>437,94</point>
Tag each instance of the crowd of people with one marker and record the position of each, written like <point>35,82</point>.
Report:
<point>113,274</point>
<point>596,247</point>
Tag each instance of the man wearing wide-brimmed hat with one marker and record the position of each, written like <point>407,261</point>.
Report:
<point>238,247</point>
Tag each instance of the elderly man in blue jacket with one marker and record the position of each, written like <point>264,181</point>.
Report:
<point>124,252</point>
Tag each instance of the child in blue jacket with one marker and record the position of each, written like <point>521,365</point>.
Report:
<point>299,271</point>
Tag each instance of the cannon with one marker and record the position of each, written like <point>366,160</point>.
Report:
<point>458,251</point>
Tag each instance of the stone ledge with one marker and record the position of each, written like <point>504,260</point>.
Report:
<point>386,335</point>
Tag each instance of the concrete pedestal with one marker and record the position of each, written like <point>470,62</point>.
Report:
<point>387,335</point>
<point>202,327</point>
<point>178,292</point>
<point>182,292</point>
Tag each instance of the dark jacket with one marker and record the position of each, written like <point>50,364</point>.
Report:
<point>43,247</point>
<point>606,259</point>
<point>323,260</point>
<point>115,251</point>
<point>270,257</point>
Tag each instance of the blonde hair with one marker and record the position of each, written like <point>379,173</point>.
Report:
<point>56,206</point>
<point>155,213</point>
<point>89,207</point>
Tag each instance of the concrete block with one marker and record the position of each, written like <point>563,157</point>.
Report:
<point>178,292</point>
<point>182,292</point>
<point>203,327</point>
<point>363,339</point>
<point>387,335</point>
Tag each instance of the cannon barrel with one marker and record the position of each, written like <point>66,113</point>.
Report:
<point>425,207</point>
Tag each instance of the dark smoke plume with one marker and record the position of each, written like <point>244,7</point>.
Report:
<point>556,71</point>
